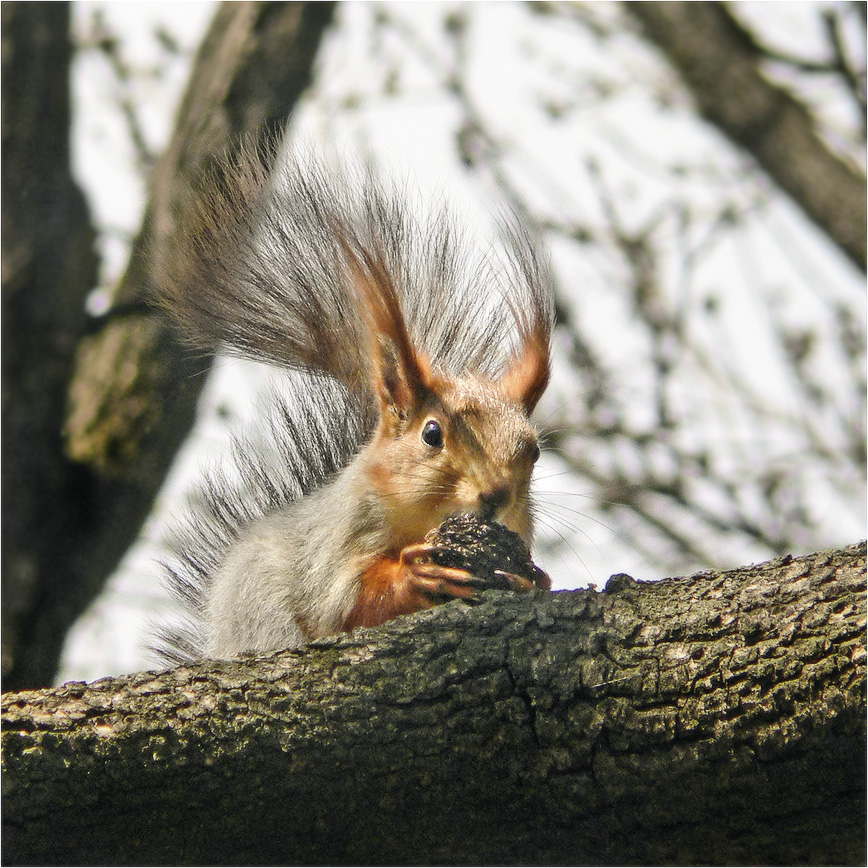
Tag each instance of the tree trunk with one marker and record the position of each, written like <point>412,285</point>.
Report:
<point>49,266</point>
<point>719,63</point>
<point>717,719</point>
<point>130,385</point>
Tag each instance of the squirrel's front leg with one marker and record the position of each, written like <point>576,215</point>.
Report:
<point>413,582</point>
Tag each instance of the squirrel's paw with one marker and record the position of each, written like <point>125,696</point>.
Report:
<point>435,580</point>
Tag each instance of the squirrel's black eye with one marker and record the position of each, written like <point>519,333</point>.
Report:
<point>432,433</point>
<point>534,455</point>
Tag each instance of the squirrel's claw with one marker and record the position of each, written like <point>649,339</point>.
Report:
<point>516,583</point>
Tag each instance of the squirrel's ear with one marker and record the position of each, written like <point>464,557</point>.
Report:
<point>402,374</point>
<point>527,376</point>
<point>401,378</point>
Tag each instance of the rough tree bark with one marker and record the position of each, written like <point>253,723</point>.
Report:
<point>716,719</point>
<point>719,62</point>
<point>131,387</point>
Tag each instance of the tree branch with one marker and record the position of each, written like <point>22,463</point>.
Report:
<point>715,57</point>
<point>716,719</point>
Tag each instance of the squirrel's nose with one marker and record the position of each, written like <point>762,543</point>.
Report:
<point>492,501</point>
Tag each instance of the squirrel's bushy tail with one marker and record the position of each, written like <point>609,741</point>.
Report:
<point>264,269</point>
<point>310,431</point>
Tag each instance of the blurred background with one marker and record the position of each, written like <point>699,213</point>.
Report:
<point>696,170</point>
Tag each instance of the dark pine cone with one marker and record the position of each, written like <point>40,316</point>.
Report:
<point>467,542</point>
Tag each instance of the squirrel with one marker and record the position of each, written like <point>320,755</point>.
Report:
<point>420,365</point>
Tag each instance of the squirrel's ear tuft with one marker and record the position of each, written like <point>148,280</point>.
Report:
<point>527,376</point>
<point>531,303</point>
<point>402,374</point>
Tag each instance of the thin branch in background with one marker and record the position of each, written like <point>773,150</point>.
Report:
<point>102,39</point>
<point>761,117</point>
<point>854,77</point>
